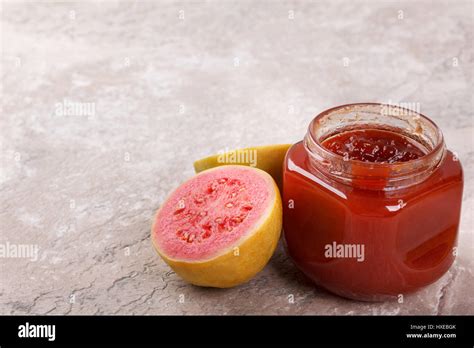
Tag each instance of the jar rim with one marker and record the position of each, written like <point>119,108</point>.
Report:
<point>399,171</point>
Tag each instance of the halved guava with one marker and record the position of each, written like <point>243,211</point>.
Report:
<point>220,227</point>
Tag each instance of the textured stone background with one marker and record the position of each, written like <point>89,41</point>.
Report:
<point>168,90</point>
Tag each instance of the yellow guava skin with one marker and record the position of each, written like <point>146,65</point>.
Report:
<point>269,159</point>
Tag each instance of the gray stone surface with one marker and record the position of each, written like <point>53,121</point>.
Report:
<point>164,91</point>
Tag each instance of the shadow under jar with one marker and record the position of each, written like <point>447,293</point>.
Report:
<point>372,201</point>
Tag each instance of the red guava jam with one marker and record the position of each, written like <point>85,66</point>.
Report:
<point>363,240</point>
<point>374,145</point>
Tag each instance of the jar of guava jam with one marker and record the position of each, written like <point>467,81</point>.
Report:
<point>372,201</point>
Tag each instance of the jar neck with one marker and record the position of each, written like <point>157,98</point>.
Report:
<point>374,175</point>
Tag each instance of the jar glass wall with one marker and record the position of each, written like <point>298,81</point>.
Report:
<point>367,230</point>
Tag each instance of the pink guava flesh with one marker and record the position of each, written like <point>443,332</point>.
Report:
<point>211,212</point>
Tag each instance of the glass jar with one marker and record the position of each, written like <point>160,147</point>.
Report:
<point>370,230</point>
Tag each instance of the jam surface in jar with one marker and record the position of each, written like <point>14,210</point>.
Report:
<point>374,145</point>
